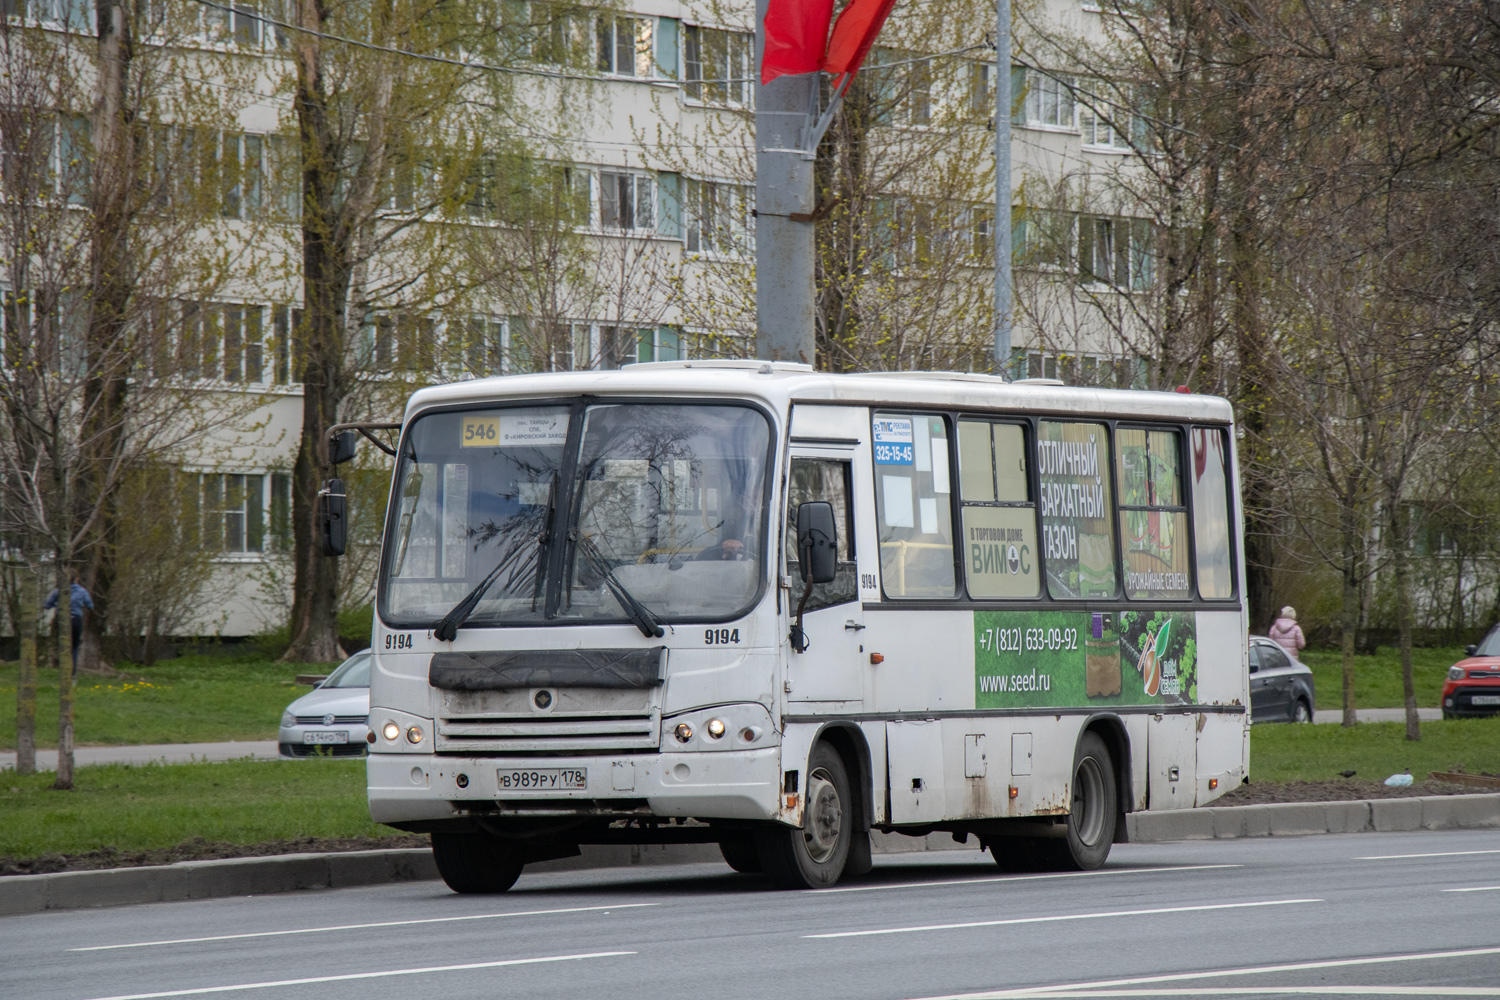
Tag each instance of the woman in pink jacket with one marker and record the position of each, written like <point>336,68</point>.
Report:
<point>1286,633</point>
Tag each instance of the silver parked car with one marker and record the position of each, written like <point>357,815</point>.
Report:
<point>332,720</point>
<point>1281,686</point>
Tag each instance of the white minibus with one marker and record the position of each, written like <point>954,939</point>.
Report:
<point>749,604</point>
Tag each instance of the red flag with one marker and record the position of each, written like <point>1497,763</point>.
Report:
<point>853,35</point>
<point>796,35</point>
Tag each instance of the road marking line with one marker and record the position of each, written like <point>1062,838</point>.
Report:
<point>1179,977</point>
<point>360,927</point>
<point>1071,916</point>
<point>1021,878</point>
<point>363,975</point>
<point>1239,991</point>
<point>1435,854</point>
<point>1477,888</point>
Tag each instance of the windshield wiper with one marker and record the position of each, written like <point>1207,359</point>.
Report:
<point>447,629</point>
<point>640,615</point>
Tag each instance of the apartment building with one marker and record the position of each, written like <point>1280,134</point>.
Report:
<point>655,162</point>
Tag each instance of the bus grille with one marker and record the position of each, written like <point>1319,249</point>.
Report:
<point>533,734</point>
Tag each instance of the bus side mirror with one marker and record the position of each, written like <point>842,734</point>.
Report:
<point>333,517</point>
<point>817,541</point>
<point>341,447</point>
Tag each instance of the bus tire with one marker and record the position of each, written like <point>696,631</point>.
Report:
<point>813,857</point>
<point>476,863</point>
<point>1091,816</point>
<point>740,853</point>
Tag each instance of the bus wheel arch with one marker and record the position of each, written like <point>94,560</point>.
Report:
<point>834,836</point>
<point>1111,729</point>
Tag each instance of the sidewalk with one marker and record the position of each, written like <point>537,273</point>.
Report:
<point>165,753</point>
<point>1378,715</point>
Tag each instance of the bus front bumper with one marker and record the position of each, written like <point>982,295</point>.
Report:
<point>733,784</point>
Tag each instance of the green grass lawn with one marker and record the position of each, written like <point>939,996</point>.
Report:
<point>1377,679</point>
<point>249,802</point>
<point>1374,749</point>
<point>157,806</point>
<point>192,699</point>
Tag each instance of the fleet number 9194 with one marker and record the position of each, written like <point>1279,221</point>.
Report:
<point>398,640</point>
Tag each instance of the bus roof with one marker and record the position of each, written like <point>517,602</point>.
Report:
<point>779,384</point>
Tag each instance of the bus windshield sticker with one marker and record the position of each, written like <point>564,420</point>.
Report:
<point>1056,659</point>
<point>897,495</point>
<point>893,441</point>
<point>532,430</point>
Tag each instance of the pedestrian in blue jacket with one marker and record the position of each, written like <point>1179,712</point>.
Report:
<point>78,599</point>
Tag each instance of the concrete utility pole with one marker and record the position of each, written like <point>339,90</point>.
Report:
<point>785,110</point>
<point>1002,186</point>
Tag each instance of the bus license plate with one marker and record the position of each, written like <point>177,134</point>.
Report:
<point>546,778</point>
<point>340,737</point>
<point>1485,699</point>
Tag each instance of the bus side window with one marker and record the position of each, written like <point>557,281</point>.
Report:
<point>1078,535</point>
<point>1210,495</point>
<point>823,479</point>
<point>999,519</point>
<point>913,494</point>
<point>1153,514</point>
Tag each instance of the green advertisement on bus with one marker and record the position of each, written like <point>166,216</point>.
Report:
<point>1058,659</point>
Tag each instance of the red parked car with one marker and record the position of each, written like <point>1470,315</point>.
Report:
<point>1473,684</point>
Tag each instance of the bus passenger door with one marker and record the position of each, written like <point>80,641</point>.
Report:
<point>830,668</point>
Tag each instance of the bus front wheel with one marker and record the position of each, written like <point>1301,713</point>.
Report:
<point>1093,809</point>
<point>814,856</point>
<point>473,863</point>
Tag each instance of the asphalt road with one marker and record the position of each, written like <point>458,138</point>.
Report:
<point>1355,915</point>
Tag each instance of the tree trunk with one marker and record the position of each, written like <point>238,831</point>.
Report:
<point>64,678</point>
<point>1401,569</point>
<point>26,682</point>
<point>325,286</point>
<point>1349,612</point>
<point>105,389</point>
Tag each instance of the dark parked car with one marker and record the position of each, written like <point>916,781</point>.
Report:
<point>1473,684</point>
<point>1281,686</point>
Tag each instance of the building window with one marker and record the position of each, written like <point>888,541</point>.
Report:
<point>662,343</point>
<point>718,65</point>
<point>1099,109</point>
<point>904,88</point>
<point>719,219</point>
<point>481,344</point>
<point>626,201</point>
<point>281,512</point>
<point>1049,99</point>
<point>1115,252</point>
<point>402,341</point>
<point>232,508</point>
<point>625,47</point>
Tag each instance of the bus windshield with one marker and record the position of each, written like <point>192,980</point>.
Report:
<point>667,501</point>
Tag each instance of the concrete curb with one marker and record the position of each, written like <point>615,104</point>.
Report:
<point>289,872</point>
<point>1296,819</point>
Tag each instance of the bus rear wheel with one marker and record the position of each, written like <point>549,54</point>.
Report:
<point>476,863</point>
<point>814,856</point>
<point>1093,809</point>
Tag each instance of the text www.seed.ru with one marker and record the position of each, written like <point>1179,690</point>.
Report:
<point>1016,682</point>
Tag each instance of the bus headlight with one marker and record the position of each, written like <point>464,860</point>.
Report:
<point>723,727</point>
<point>390,731</point>
<point>414,735</point>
